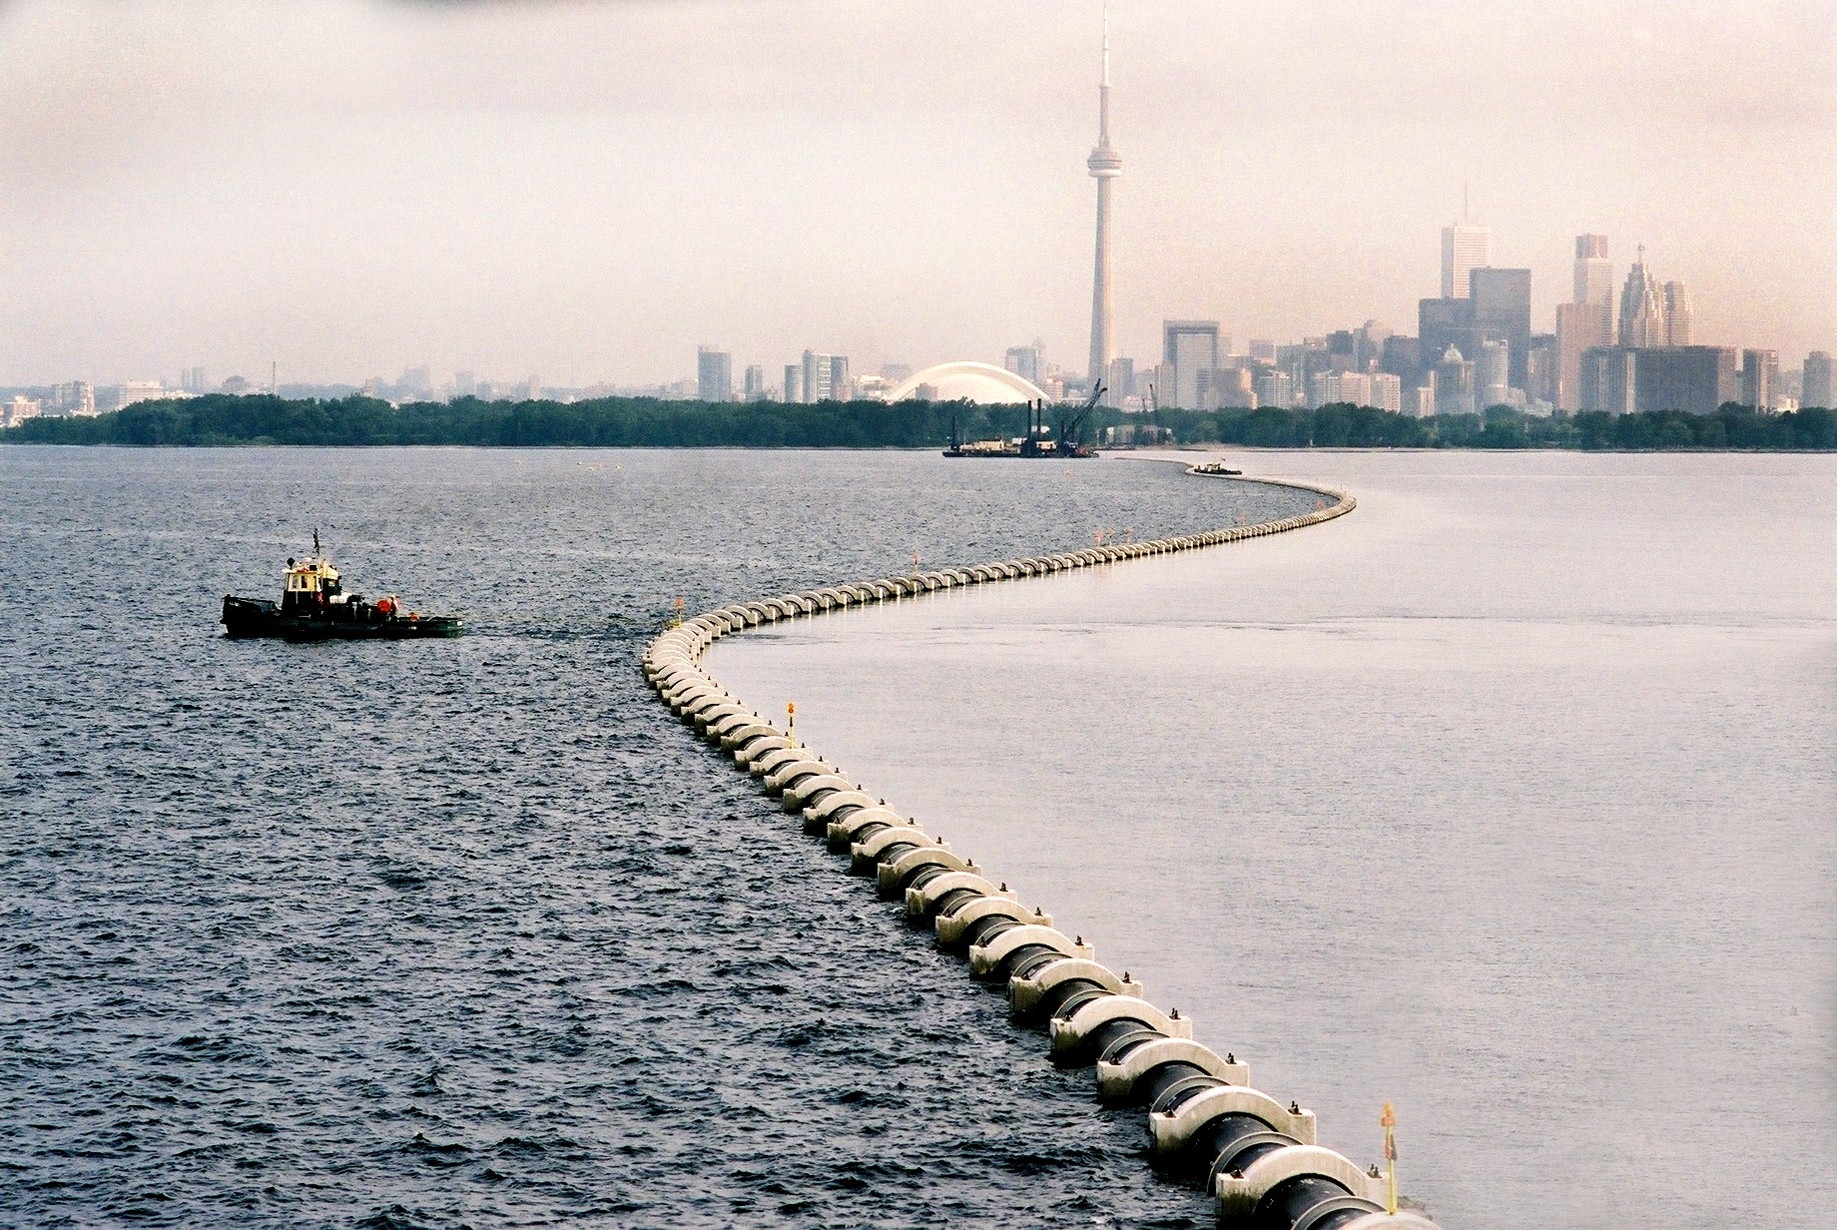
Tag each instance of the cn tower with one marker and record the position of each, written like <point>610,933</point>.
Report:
<point>1105,165</point>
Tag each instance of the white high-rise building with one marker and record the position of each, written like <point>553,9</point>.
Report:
<point>1464,249</point>
<point>1105,166</point>
<point>1387,392</point>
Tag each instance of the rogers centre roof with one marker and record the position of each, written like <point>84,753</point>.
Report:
<point>966,381</point>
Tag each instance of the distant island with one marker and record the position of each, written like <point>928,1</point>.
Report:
<point>639,422</point>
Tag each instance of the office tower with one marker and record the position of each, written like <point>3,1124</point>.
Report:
<point>1273,388</point>
<point>1540,369</point>
<point>1691,379</point>
<point>1815,385</point>
<point>1492,368</point>
<point>1594,273</point>
<point>1677,314</point>
<point>1121,382</point>
<point>74,397</point>
<point>1105,165</point>
<point>755,382</point>
<point>1421,401</point>
<point>1441,323</point>
<point>1353,388</point>
<point>192,380</point>
<point>532,388</point>
<point>1387,392</point>
<point>1227,388</point>
<point>1694,379</point>
<point>1500,303</point>
<point>794,383</point>
<point>816,378</point>
<point>1024,361</point>
<point>1454,381</point>
<point>465,384</point>
<point>1402,357</point>
<point>1609,380</point>
<point>1319,392</point>
<point>1262,350</point>
<point>1188,347</point>
<point>1464,249</point>
<point>714,374</point>
<point>1760,378</point>
<point>1580,327</point>
<point>417,380</point>
<point>841,388</point>
<point>1642,308</point>
<point>1368,345</point>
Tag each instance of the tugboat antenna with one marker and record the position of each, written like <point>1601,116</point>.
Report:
<point>316,550</point>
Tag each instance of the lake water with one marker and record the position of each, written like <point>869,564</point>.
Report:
<point>472,933</point>
<point>1508,798</point>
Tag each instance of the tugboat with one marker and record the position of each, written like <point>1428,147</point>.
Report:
<point>1216,467</point>
<point>314,607</point>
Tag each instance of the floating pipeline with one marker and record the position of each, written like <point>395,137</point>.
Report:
<point>1207,1126</point>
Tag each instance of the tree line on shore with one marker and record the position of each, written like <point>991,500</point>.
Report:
<point>640,422</point>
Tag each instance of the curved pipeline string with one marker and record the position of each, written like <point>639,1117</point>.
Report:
<point>1258,1157</point>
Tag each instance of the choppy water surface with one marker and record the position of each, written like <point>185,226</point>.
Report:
<point>472,932</point>
<point>1508,797</point>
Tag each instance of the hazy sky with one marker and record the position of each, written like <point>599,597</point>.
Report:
<point>588,190</point>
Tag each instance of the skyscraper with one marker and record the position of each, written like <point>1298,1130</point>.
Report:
<point>1464,249</point>
<point>1816,387</point>
<point>1273,388</point>
<point>1105,165</point>
<point>817,373</point>
<point>1121,381</point>
<point>1500,306</point>
<point>755,382</point>
<point>1594,273</point>
<point>1677,314</point>
<point>1453,384</point>
<point>794,383</point>
<point>1188,348</point>
<point>714,374</point>
<point>1585,323</point>
<point>1760,378</point>
<point>1492,374</point>
<point>1642,308</point>
<point>1024,361</point>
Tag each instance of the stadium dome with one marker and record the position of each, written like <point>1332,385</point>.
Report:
<point>964,381</point>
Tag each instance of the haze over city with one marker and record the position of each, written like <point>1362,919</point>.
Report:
<point>589,191</point>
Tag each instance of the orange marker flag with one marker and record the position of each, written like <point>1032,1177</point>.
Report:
<point>1388,1121</point>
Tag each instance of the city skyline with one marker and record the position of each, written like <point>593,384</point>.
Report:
<point>449,187</point>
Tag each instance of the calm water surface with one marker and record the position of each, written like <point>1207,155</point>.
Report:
<point>472,933</point>
<point>1508,798</point>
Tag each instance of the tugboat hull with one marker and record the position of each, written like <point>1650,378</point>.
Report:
<point>257,617</point>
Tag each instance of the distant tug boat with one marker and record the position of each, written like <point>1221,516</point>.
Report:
<point>314,607</point>
<point>1036,443</point>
